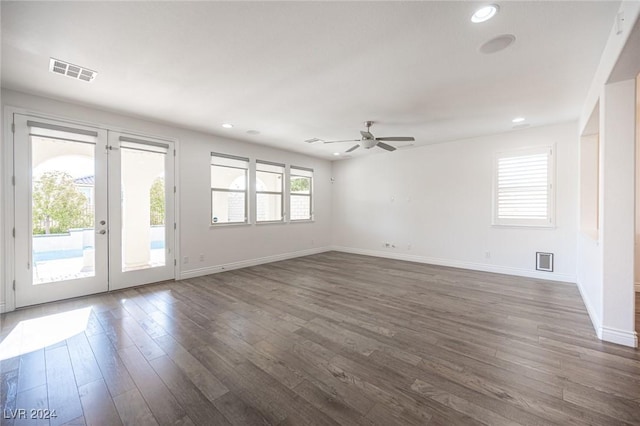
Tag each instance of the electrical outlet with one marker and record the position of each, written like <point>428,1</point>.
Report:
<point>201,257</point>
<point>185,260</point>
<point>408,246</point>
<point>387,245</point>
<point>487,255</point>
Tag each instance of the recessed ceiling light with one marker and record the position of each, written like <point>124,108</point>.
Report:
<point>336,153</point>
<point>518,120</point>
<point>485,13</point>
<point>227,126</point>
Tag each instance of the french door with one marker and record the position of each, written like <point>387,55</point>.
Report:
<point>94,210</point>
<point>141,212</point>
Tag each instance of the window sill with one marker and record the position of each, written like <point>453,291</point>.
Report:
<point>507,226</point>
<point>225,225</point>
<point>302,221</point>
<point>271,222</point>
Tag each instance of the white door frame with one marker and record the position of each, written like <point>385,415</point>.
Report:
<point>7,261</point>
<point>25,266</point>
<point>117,278</point>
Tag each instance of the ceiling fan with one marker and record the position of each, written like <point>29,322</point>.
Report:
<point>368,141</point>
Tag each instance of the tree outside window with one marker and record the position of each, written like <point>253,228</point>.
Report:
<point>156,195</point>
<point>58,204</point>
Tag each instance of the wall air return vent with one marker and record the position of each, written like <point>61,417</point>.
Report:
<point>544,262</point>
<point>70,70</point>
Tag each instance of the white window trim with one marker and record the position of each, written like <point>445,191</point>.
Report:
<point>550,221</point>
<point>281,193</point>
<point>311,217</point>
<point>245,191</point>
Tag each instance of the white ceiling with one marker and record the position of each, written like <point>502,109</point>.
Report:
<point>298,70</point>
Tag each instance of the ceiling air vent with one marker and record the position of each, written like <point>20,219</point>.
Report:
<point>74,71</point>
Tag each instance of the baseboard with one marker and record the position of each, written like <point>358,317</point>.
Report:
<point>637,287</point>
<point>621,337</point>
<point>551,276</point>
<point>192,273</point>
<point>2,308</point>
<point>595,320</point>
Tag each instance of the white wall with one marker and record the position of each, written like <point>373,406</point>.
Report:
<point>229,246</point>
<point>589,277</point>
<point>637,231</point>
<point>434,203</point>
<point>616,43</point>
<point>605,262</point>
<point>589,158</point>
<point>589,249</point>
<point>3,172</point>
<point>617,131</point>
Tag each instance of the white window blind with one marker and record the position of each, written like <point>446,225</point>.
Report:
<point>523,194</point>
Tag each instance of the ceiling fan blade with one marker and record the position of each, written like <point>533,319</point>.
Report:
<point>366,135</point>
<point>397,139</point>
<point>353,148</point>
<point>385,146</point>
<point>346,140</point>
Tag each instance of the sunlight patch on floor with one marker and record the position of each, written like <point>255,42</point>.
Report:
<point>37,333</point>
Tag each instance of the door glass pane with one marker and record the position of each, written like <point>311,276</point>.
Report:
<point>143,206</point>
<point>62,209</point>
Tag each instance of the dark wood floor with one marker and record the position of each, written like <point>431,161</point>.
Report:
<point>325,339</point>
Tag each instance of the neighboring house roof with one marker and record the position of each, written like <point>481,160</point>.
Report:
<point>85,180</point>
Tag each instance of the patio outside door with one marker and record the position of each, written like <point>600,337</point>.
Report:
<point>93,210</point>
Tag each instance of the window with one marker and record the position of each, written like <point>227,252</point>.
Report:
<point>301,193</point>
<point>269,183</point>
<point>229,176</point>
<point>523,193</point>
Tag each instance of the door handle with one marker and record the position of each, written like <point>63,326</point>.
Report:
<point>102,232</point>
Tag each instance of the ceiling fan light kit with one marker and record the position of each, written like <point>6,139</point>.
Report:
<point>368,140</point>
<point>369,143</point>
